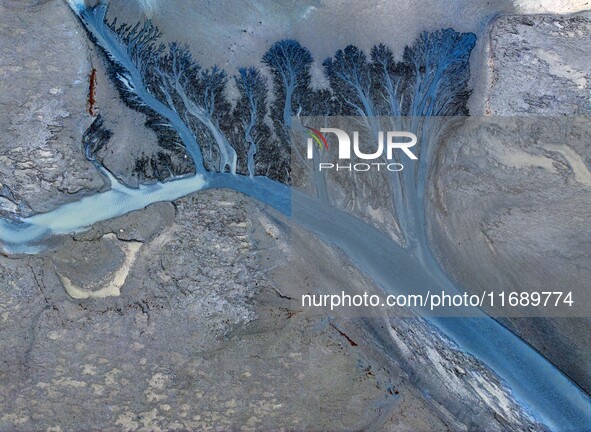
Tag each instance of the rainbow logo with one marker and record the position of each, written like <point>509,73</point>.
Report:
<point>318,137</point>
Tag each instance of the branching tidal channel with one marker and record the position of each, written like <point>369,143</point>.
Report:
<point>245,147</point>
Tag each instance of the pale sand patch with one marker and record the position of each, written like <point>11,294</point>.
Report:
<point>519,159</point>
<point>113,285</point>
<point>551,6</point>
<point>561,69</point>
<point>582,174</point>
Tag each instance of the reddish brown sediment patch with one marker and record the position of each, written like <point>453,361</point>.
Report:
<point>92,92</point>
<point>351,341</point>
